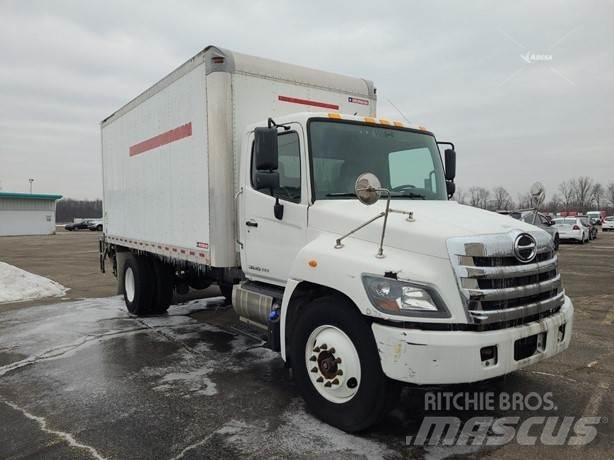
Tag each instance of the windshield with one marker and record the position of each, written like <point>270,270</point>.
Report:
<point>566,221</point>
<point>406,162</point>
<point>530,217</point>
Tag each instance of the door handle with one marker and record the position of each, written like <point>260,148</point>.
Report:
<point>251,223</point>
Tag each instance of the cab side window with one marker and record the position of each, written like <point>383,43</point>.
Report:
<point>289,168</point>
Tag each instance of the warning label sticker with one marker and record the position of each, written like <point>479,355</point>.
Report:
<point>357,100</point>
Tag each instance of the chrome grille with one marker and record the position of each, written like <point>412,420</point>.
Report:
<point>496,286</point>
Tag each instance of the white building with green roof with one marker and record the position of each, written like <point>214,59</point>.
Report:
<point>27,213</point>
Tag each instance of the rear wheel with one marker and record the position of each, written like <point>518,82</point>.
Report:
<point>557,242</point>
<point>138,278</point>
<point>226,289</point>
<point>337,366</point>
<point>163,286</point>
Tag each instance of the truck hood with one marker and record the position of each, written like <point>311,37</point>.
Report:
<point>434,222</point>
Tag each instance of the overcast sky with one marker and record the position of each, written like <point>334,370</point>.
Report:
<point>459,68</point>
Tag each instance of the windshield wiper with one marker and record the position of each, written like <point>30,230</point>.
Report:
<point>392,194</point>
<point>342,194</point>
<point>407,195</point>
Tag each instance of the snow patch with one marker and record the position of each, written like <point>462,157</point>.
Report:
<point>188,376</point>
<point>17,285</point>
<point>195,382</point>
<point>299,435</point>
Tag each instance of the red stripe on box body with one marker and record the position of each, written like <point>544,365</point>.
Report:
<point>173,135</point>
<point>296,100</point>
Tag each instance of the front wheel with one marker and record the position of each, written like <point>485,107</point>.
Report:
<point>337,366</point>
<point>557,242</point>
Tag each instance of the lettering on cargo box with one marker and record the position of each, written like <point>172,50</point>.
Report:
<point>167,137</point>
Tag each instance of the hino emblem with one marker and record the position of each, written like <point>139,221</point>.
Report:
<point>525,248</point>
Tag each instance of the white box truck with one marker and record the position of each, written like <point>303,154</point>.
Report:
<point>332,230</point>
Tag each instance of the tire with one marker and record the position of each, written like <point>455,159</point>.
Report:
<point>557,242</point>
<point>199,283</point>
<point>99,228</point>
<point>226,291</point>
<point>138,284</point>
<point>163,286</point>
<point>364,394</point>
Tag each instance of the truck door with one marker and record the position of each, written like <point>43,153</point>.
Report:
<point>269,244</point>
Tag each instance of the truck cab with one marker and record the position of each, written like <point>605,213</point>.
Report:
<point>407,287</point>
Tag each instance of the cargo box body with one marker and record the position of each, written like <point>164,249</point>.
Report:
<point>170,156</point>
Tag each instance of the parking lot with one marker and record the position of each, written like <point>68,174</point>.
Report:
<point>81,378</point>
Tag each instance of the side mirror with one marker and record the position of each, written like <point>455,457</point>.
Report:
<point>266,155</point>
<point>367,188</point>
<point>266,180</point>
<point>450,161</point>
<point>450,188</point>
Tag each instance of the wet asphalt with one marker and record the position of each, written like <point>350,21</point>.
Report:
<point>84,379</point>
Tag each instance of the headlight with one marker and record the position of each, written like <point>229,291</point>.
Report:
<point>393,296</point>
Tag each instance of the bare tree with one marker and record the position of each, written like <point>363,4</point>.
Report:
<point>525,200</point>
<point>597,194</point>
<point>555,203</point>
<point>474,196</point>
<point>582,187</point>
<point>478,197</point>
<point>610,193</point>
<point>460,195</point>
<point>67,209</point>
<point>567,193</point>
<point>502,199</point>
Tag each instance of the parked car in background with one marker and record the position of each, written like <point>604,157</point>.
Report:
<point>592,228</point>
<point>95,225</point>
<point>571,228</point>
<point>597,215</point>
<point>542,221</point>
<point>82,225</point>
<point>608,224</point>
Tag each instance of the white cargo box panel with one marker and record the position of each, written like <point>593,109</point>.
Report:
<point>170,157</point>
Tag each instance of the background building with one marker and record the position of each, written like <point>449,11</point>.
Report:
<point>27,214</point>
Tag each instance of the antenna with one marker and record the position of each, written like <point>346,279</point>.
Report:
<point>398,110</point>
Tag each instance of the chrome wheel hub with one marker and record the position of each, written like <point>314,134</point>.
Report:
<point>333,364</point>
<point>129,284</point>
